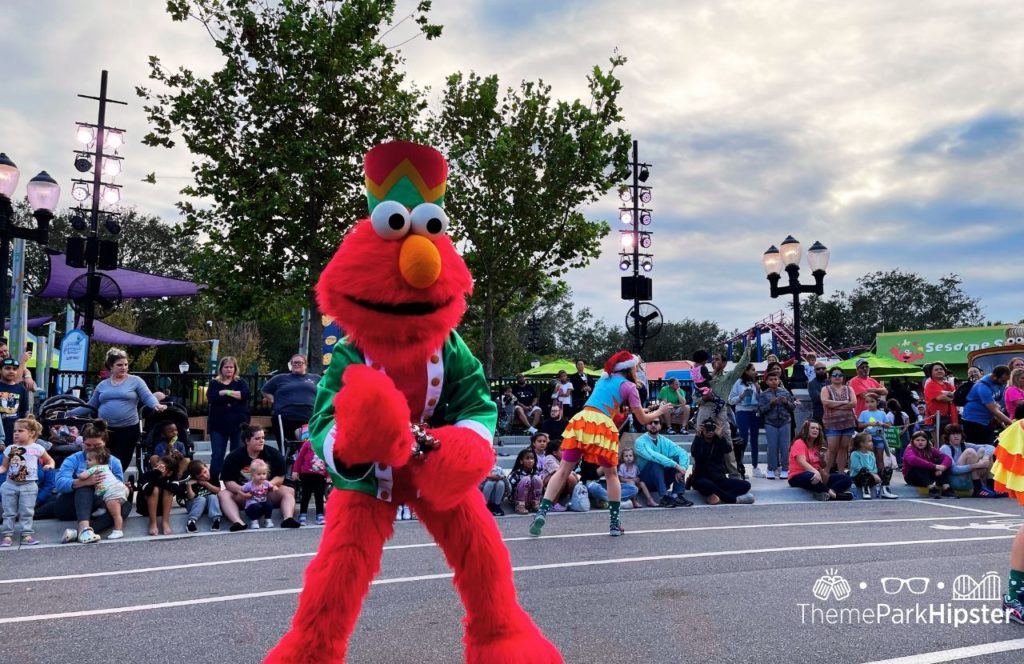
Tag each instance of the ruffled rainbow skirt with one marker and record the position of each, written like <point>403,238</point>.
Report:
<point>1008,469</point>
<point>595,435</point>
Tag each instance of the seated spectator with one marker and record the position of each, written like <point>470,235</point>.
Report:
<point>202,497</point>
<point>552,459</point>
<point>864,466</point>
<point>237,471</point>
<point>77,498</point>
<point>506,410</point>
<point>110,490</point>
<point>629,473</point>
<point>494,488</point>
<point>971,463</point>
<point>593,477</point>
<point>526,409</point>
<point>539,443</point>
<point>662,465</point>
<point>158,487</point>
<point>165,443</point>
<point>925,466</point>
<point>710,477</point>
<point>527,486</point>
<point>554,426</point>
<point>675,420</point>
<point>806,466</point>
<point>257,492</point>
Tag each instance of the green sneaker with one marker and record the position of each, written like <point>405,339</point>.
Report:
<point>537,525</point>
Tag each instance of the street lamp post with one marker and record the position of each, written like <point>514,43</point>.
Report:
<point>43,193</point>
<point>788,258</point>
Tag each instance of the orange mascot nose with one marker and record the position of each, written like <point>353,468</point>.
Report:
<point>419,261</point>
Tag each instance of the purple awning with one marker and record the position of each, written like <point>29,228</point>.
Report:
<point>133,284</point>
<point>32,322</point>
<point>109,334</point>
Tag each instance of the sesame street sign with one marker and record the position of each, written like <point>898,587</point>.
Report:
<point>948,346</point>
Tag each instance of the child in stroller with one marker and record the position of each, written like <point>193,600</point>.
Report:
<point>62,428</point>
<point>159,439</point>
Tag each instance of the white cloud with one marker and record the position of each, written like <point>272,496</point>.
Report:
<point>849,123</point>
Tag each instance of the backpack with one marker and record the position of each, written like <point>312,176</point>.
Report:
<point>960,395</point>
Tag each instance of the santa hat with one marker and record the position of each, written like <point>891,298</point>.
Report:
<point>620,361</point>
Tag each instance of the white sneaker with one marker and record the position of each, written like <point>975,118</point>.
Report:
<point>866,492</point>
<point>531,430</point>
<point>398,514</point>
<point>888,494</point>
<point>115,534</point>
<point>255,525</point>
<point>759,473</point>
<point>784,475</point>
<point>268,523</point>
<point>406,513</point>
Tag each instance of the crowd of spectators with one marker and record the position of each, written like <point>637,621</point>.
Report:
<point>935,433</point>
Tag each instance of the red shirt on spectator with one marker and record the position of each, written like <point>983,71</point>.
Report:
<point>859,386</point>
<point>946,410</point>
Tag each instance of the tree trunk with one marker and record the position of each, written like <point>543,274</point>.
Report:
<point>488,334</point>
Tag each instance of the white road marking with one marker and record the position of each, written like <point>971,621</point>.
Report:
<point>945,503</point>
<point>521,568</point>
<point>425,545</point>
<point>956,653</point>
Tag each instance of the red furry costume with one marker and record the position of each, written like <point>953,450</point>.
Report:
<point>397,287</point>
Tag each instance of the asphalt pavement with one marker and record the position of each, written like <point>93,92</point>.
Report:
<point>708,584</point>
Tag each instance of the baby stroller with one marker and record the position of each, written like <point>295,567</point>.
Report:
<point>153,423</point>
<point>56,412</point>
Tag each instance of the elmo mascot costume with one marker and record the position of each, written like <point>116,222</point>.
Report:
<point>403,415</point>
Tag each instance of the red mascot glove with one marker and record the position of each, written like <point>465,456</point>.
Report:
<point>445,475</point>
<point>372,419</point>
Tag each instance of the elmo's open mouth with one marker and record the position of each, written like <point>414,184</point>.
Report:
<point>399,308</point>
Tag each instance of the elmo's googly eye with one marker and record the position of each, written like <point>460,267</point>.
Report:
<point>429,220</point>
<point>390,220</point>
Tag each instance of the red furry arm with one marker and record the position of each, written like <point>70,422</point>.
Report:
<point>372,419</point>
<point>461,463</point>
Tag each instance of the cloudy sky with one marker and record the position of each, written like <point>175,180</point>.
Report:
<point>893,132</point>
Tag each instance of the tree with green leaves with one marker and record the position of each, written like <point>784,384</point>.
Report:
<point>278,133</point>
<point>890,301</point>
<point>522,165</point>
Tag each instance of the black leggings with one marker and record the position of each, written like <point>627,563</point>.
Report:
<point>122,442</point>
<point>725,488</point>
<point>915,476</point>
<point>315,485</point>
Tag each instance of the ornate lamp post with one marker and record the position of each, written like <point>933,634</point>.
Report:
<point>788,258</point>
<point>43,194</point>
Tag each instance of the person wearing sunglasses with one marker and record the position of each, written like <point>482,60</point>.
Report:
<point>838,403</point>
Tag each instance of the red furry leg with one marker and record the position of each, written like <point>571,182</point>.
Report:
<point>337,580</point>
<point>498,630</point>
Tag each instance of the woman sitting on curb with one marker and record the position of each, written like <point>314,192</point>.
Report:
<point>806,470</point>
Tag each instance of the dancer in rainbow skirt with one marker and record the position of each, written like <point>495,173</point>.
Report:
<point>1008,471</point>
<point>592,436</point>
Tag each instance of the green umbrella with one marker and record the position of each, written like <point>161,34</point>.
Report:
<point>552,368</point>
<point>881,367</point>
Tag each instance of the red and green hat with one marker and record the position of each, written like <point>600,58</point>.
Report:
<point>405,172</point>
